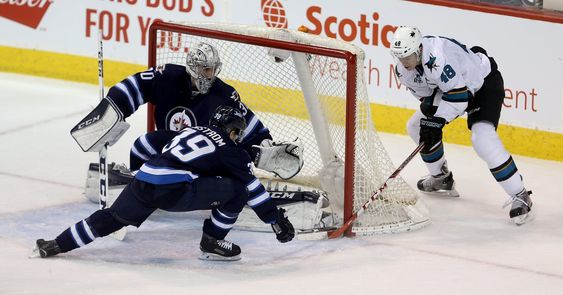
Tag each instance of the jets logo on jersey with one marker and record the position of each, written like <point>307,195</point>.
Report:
<point>179,118</point>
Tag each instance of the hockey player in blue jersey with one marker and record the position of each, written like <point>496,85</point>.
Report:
<point>449,79</point>
<point>202,167</point>
<point>185,96</point>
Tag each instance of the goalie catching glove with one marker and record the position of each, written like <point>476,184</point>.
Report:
<point>285,158</point>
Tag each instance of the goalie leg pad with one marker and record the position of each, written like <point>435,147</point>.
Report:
<point>332,181</point>
<point>307,209</point>
<point>119,176</point>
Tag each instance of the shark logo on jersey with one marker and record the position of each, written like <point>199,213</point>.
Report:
<point>431,64</point>
<point>179,118</point>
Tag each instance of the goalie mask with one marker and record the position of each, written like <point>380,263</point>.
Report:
<point>203,64</point>
<point>228,119</point>
<point>405,46</point>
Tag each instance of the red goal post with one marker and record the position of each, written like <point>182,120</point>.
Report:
<point>169,42</point>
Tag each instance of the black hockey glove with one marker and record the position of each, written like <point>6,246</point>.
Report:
<point>427,106</point>
<point>283,228</point>
<point>431,132</point>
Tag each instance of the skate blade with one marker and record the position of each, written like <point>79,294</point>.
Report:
<point>120,234</point>
<point>444,193</point>
<point>34,253</point>
<point>216,257</point>
<point>522,219</point>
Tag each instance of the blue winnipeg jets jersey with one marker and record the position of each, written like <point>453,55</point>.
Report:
<point>207,152</point>
<point>169,88</point>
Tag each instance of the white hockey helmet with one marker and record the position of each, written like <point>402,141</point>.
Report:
<point>406,41</point>
<point>203,64</point>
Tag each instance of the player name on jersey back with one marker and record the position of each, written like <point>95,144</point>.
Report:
<point>216,137</point>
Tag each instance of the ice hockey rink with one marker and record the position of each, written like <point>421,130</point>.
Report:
<point>470,247</point>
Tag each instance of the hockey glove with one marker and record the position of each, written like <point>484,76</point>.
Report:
<point>431,132</point>
<point>427,106</point>
<point>283,228</point>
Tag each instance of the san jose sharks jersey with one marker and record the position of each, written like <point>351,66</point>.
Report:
<point>169,89</point>
<point>207,152</point>
<point>450,66</point>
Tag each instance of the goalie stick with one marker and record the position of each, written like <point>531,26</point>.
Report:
<point>103,153</point>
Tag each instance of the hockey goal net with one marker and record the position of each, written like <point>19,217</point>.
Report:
<point>314,91</point>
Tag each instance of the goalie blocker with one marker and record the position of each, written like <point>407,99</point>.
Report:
<point>104,124</point>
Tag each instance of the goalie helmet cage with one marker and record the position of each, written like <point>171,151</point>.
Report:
<point>313,89</point>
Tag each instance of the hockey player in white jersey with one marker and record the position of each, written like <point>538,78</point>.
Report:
<point>449,79</point>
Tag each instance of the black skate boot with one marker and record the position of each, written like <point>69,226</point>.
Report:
<point>521,210</point>
<point>45,249</point>
<point>222,250</point>
<point>442,184</point>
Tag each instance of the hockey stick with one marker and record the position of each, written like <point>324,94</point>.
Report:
<point>102,155</point>
<point>314,234</point>
<point>337,233</point>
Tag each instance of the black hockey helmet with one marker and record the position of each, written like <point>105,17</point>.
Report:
<point>228,119</point>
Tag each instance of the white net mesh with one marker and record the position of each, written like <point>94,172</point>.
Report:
<point>274,91</point>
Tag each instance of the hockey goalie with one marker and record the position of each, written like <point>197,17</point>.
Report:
<point>186,95</point>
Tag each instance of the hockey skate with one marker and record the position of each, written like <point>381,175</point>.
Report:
<point>442,184</point>
<point>118,174</point>
<point>521,210</point>
<point>45,249</point>
<point>218,250</point>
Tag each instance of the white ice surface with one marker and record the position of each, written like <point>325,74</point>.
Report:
<point>470,247</point>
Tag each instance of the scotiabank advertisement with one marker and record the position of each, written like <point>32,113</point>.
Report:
<point>529,52</point>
